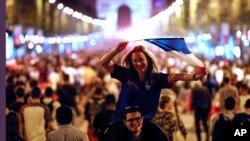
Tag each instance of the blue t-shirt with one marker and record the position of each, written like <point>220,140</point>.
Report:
<point>136,94</point>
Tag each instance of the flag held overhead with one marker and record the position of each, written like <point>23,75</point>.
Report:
<point>178,47</point>
<point>170,44</point>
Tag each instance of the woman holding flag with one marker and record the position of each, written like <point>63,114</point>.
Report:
<point>141,81</point>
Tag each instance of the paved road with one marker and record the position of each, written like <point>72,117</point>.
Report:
<point>188,120</point>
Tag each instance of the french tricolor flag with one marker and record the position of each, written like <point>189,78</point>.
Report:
<point>178,47</point>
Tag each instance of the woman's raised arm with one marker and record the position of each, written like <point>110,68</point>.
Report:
<point>106,60</point>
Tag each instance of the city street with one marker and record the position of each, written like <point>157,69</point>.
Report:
<point>188,121</point>
<point>126,62</point>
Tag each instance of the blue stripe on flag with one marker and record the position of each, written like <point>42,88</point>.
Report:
<point>170,44</point>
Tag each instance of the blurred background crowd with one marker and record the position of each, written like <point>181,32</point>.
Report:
<point>56,49</point>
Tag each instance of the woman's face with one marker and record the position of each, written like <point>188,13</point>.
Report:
<point>139,61</point>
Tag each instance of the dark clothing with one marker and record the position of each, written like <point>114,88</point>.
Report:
<point>201,103</point>
<point>201,114</point>
<point>201,98</point>
<point>101,122</point>
<point>14,137</point>
<point>240,118</point>
<point>149,132</point>
<point>222,128</point>
<point>10,94</point>
<point>67,95</point>
<point>211,87</point>
<point>143,94</point>
<point>16,106</point>
<point>92,108</point>
<point>27,97</point>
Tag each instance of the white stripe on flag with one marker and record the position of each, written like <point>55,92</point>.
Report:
<point>189,58</point>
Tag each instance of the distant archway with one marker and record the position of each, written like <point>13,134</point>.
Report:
<point>124,17</point>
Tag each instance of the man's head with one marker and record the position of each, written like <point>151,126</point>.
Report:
<point>247,104</point>
<point>243,89</point>
<point>110,102</point>
<point>166,103</point>
<point>10,80</point>
<point>33,83</point>
<point>230,103</point>
<point>133,119</point>
<point>35,93</point>
<point>98,95</point>
<point>20,92</point>
<point>110,99</point>
<point>48,92</point>
<point>64,115</point>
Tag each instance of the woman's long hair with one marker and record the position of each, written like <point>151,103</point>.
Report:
<point>152,67</point>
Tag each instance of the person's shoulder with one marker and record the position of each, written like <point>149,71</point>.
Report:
<point>159,115</point>
<point>215,117</point>
<point>167,113</point>
<point>56,103</point>
<point>119,70</point>
<point>237,117</point>
<point>45,107</point>
<point>119,66</point>
<point>73,128</point>
<point>150,125</point>
<point>79,132</point>
<point>151,129</point>
<point>240,114</point>
<point>165,116</point>
<point>52,133</point>
<point>27,105</point>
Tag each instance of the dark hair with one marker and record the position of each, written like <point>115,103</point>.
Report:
<point>33,83</point>
<point>48,92</point>
<point>229,103</point>
<point>12,127</point>
<point>10,79</point>
<point>244,86</point>
<point>110,99</point>
<point>64,115</point>
<point>36,92</point>
<point>20,92</point>
<point>131,109</point>
<point>163,101</point>
<point>247,104</point>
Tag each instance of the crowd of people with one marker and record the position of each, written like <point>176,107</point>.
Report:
<point>83,96</point>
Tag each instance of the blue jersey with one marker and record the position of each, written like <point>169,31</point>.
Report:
<point>136,94</point>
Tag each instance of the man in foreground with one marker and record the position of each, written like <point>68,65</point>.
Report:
<point>135,128</point>
<point>66,131</point>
